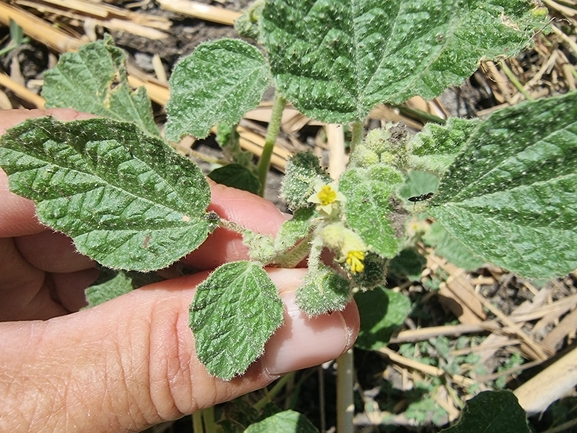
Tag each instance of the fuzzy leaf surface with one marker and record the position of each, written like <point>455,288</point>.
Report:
<point>234,313</point>
<point>454,251</point>
<point>302,173</point>
<point>335,60</point>
<point>323,290</point>
<point>368,208</point>
<point>94,80</point>
<point>492,412</point>
<point>219,82</point>
<point>125,198</point>
<point>434,149</point>
<point>511,195</point>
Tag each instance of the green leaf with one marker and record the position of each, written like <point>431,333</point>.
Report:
<point>94,80</point>
<point>408,263</point>
<point>234,313</point>
<point>454,251</point>
<point>492,412</point>
<point>511,195</point>
<point>323,290</point>
<point>125,198</point>
<point>368,207</point>
<point>302,172</point>
<point>248,24</point>
<point>434,149</point>
<point>335,60</point>
<point>117,285</point>
<point>382,312</point>
<point>286,422</point>
<point>418,183</point>
<point>219,82</point>
<point>236,176</point>
<point>112,284</point>
<point>228,139</point>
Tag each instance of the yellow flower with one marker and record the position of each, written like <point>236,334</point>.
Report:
<point>327,197</point>
<point>355,261</point>
<point>349,244</point>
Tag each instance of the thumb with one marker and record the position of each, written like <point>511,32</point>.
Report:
<point>130,363</point>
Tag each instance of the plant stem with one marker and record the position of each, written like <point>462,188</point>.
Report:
<point>509,73</point>
<point>271,136</point>
<point>208,417</point>
<point>197,422</point>
<point>345,403</point>
<point>273,392</point>
<point>357,129</point>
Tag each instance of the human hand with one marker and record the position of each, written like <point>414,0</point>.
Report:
<point>128,363</point>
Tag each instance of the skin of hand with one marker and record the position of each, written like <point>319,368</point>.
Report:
<point>128,363</point>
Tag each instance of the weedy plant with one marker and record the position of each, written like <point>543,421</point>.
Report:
<point>501,190</point>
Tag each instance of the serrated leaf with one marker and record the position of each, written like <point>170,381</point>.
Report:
<point>286,422</point>
<point>335,60</point>
<point>301,174</point>
<point>219,82</point>
<point>236,176</point>
<point>434,149</point>
<point>368,207</point>
<point>382,312</point>
<point>93,80</point>
<point>234,313</point>
<point>323,290</point>
<point>511,195</point>
<point>454,251</point>
<point>492,412</point>
<point>124,197</point>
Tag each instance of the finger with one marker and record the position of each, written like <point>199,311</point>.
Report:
<point>23,292</point>
<point>130,363</point>
<point>241,207</point>
<point>17,215</point>
<point>52,252</point>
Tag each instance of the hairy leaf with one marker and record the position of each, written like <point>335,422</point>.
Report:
<point>124,197</point>
<point>94,80</point>
<point>323,290</point>
<point>302,172</point>
<point>435,148</point>
<point>335,60</point>
<point>234,313</point>
<point>368,207</point>
<point>219,82</point>
<point>511,195</point>
<point>454,251</point>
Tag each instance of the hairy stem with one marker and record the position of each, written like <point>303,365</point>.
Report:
<point>357,129</point>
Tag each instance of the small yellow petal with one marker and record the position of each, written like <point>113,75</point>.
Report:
<point>327,195</point>
<point>355,261</point>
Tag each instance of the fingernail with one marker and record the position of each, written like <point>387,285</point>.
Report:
<point>303,342</point>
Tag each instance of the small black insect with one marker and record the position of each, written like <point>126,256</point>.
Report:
<point>421,197</point>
